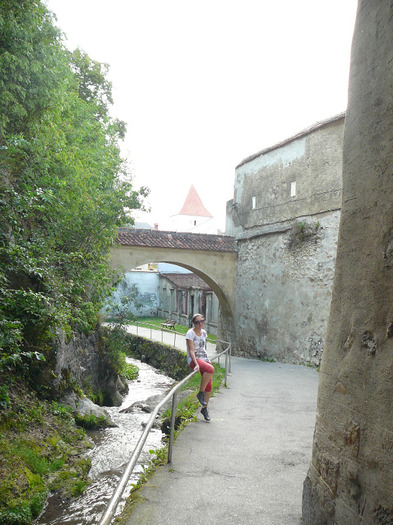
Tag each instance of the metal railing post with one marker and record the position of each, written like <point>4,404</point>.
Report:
<point>226,368</point>
<point>171,435</point>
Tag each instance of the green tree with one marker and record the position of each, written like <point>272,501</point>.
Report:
<point>63,184</point>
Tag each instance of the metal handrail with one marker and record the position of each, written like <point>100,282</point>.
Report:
<point>154,327</point>
<point>111,509</point>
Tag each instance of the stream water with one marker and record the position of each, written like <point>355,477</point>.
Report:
<point>112,449</point>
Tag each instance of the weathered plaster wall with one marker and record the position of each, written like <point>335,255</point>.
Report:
<point>282,294</point>
<point>300,177</point>
<point>350,480</point>
<point>140,288</point>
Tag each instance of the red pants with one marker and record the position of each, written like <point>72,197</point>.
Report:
<point>204,368</point>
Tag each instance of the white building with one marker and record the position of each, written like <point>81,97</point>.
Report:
<point>193,217</point>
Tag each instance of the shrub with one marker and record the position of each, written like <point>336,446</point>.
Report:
<point>302,232</point>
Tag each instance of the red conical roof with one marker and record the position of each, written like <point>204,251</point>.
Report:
<point>193,205</point>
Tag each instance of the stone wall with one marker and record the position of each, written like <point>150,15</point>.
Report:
<point>283,293</point>
<point>285,216</point>
<point>169,360</point>
<point>302,176</point>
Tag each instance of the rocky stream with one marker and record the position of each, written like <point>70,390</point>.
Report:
<point>112,449</point>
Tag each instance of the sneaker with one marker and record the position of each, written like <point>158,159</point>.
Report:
<point>201,398</point>
<point>205,414</point>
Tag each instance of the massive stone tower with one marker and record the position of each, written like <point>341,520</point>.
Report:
<point>350,480</point>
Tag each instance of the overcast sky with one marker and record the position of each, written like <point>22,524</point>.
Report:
<point>204,84</point>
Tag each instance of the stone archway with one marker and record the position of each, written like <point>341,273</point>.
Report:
<point>217,267</point>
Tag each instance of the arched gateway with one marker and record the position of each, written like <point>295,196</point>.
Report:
<point>212,257</point>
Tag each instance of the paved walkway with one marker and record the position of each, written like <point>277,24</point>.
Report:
<point>248,464</point>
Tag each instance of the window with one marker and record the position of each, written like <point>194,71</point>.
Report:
<point>293,189</point>
<point>253,202</point>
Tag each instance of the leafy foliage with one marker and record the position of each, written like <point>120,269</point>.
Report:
<point>64,188</point>
<point>90,422</point>
<point>129,371</point>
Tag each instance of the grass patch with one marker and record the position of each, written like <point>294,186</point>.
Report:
<point>40,446</point>
<point>90,421</point>
<point>155,324</point>
<point>128,370</point>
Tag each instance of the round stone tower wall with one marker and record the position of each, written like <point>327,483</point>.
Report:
<point>350,480</point>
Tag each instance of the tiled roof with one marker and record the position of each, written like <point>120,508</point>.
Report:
<point>179,240</point>
<point>186,280</point>
<point>193,205</point>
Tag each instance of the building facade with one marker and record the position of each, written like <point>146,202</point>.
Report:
<point>136,294</point>
<point>285,217</point>
<point>183,295</point>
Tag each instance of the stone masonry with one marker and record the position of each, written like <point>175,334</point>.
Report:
<point>350,479</point>
<point>285,217</point>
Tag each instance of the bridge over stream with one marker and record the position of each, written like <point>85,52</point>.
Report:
<point>211,257</point>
